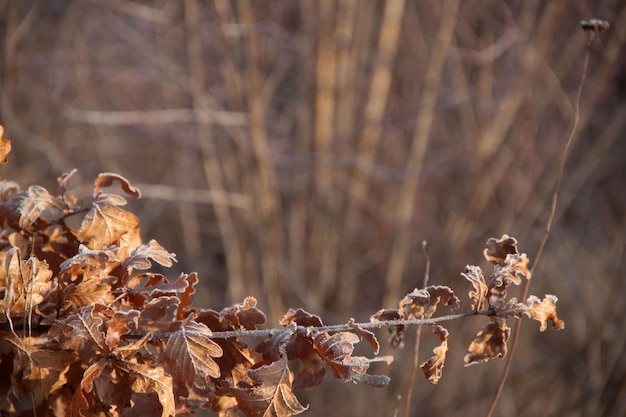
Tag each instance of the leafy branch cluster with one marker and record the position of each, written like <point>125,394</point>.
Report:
<point>87,329</point>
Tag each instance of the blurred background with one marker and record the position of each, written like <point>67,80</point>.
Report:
<point>302,151</point>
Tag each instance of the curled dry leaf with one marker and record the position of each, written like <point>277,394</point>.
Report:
<point>479,290</point>
<point>5,147</point>
<point>64,181</point>
<point>238,316</point>
<point>497,249</point>
<point>35,201</point>
<point>540,310</point>
<point>423,303</point>
<point>336,351</point>
<point>268,391</point>
<point>141,256</point>
<point>489,343</point>
<point>106,179</point>
<point>365,334</point>
<point>433,367</point>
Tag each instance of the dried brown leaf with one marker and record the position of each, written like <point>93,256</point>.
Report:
<point>476,277</point>
<point>105,223</point>
<point>38,371</point>
<point>185,298</point>
<point>106,179</point>
<point>423,303</point>
<point>269,392</point>
<point>64,181</point>
<point>5,147</point>
<point>148,379</point>
<point>336,351</point>
<point>24,284</point>
<point>489,343</point>
<point>497,249</point>
<point>141,256</point>
<point>35,201</point>
<point>540,310</point>
<point>90,291</point>
<point>365,334</point>
<point>397,338</point>
<point>189,353</point>
<point>301,318</point>
<point>433,367</point>
<point>91,263</point>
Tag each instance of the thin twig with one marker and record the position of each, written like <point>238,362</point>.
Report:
<point>548,226</point>
<point>418,336</point>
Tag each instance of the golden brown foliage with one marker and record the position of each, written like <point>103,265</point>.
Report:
<point>88,330</point>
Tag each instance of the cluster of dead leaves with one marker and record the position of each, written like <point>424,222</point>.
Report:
<point>488,296</point>
<point>87,329</point>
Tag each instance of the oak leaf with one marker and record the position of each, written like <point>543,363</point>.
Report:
<point>268,393</point>
<point>147,379</point>
<point>477,279</point>
<point>336,351</point>
<point>106,179</point>
<point>423,303</point>
<point>38,371</point>
<point>190,352</point>
<point>105,222</point>
<point>540,310</point>
<point>433,367</point>
<point>498,249</point>
<point>489,343</point>
<point>141,256</point>
<point>35,201</point>
<point>24,284</point>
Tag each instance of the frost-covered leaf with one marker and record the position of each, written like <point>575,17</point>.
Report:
<point>476,277</point>
<point>189,353</point>
<point>87,323</point>
<point>105,223</point>
<point>397,338</point>
<point>540,310</point>
<point>24,284</point>
<point>365,334</point>
<point>88,262</point>
<point>141,256</point>
<point>236,317</point>
<point>35,201</point>
<point>106,179</point>
<point>498,249</point>
<point>336,351</point>
<point>489,343</point>
<point>89,291</point>
<point>423,303</point>
<point>268,393</point>
<point>147,379</point>
<point>433,367</point>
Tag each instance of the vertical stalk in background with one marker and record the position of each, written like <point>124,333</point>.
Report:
<point>370,136</point>
<point>325,236</point>
<point>404,213</point>
<point>267,198</point>
<point>197,71</point>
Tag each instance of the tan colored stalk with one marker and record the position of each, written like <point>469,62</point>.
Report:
<point>267,199</point>
<point>197,71</point>
<point>402,231</point>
